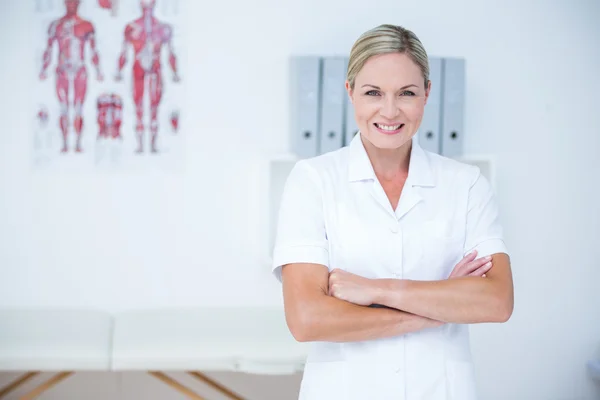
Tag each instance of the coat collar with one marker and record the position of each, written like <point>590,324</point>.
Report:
<point>360,168</point>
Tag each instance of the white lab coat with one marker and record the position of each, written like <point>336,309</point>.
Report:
<point>334,212</point>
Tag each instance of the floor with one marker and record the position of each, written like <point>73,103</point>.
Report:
<point>140,385</point>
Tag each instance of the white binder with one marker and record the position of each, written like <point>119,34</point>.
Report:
<point>332,104</point>
<point>453,101</point>
<point>305,76</point>
<point>430,135</point>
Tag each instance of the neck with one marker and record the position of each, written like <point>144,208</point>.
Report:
<point>147,13</point>
<point>389,164</point>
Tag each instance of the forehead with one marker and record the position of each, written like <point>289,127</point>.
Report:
<point>390,70</point>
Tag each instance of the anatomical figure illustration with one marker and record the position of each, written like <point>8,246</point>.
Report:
<point>42,116</point>
<point>71,32</point>
<point>111,5</point>
<point>42,137</point>
<point>147,36</point>
<point>110,115</point>
<point>175,121</point>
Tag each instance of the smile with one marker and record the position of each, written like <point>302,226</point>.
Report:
<point>388,128</point>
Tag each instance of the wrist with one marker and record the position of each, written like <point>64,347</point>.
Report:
<point>380,290</point>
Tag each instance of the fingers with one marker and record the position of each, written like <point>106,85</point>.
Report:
<point>466,259</point>
<point>332,281</point>
<point>482,270</point>
<point>470,267</point>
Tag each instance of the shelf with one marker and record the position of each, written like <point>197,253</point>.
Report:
<point>486,163</point>
<point>279,169</point>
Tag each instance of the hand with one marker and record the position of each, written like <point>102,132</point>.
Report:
<point>469,266</point>
<point>118,77</point>
<point>43,75</point>
<point>176,78</point>
<point>100,77</point>
<point>353,288</point>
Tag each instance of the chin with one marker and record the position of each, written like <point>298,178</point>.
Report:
<point>385,141</point>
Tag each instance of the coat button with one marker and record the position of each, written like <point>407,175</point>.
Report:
<point>394,228</point>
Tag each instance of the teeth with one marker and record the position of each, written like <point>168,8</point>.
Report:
<point>389,127</point>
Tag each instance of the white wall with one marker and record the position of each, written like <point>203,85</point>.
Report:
<point>162,239</point>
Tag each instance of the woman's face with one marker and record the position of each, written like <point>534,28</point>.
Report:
<point>389,98</point>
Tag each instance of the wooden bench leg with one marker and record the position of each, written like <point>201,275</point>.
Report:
<point>215,385</point>
<point>176,385</point>
<point>17,382</point>
<point>47,385</point>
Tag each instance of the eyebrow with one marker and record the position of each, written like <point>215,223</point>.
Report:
<point>378,88</point>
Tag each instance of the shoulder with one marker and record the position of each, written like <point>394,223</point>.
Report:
<point>133,25</point>
<point>451,172</point>
<point>166,30</point>
<point>55,26</point>
<point>86,26</point>
<point>325,168</point>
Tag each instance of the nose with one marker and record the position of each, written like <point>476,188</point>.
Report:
<point>389,108</point>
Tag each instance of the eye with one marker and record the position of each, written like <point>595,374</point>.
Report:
<point>408,93</point>
<point>372,93</point>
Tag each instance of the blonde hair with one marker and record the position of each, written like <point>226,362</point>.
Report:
<point>385,39</point>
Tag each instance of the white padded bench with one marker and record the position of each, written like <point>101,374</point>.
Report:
<point>252,340</point>
<point>61,341</point>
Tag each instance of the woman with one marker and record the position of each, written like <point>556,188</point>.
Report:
<point>386,252</point>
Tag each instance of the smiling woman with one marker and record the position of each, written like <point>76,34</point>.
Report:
<point>387,251</point>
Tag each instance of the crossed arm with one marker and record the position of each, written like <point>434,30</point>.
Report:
<point>324,306</point>
<point>320,306</point>
<point>463,300</point>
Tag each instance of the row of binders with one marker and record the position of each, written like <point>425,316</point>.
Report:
<point>322,116</point>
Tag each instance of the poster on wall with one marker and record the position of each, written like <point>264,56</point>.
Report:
<point>109,84</point>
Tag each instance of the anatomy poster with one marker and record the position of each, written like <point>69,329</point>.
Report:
<point>109,84</point>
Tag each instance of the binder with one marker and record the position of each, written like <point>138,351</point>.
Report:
<point>332,104</point>
<point>430,133</point>
<point>453,100</point>
<point>305,75</point>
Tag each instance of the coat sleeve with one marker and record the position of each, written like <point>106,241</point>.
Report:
<point>301,235</point>
<point>484,231</point>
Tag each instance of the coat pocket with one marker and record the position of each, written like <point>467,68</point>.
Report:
<point>432,250</point>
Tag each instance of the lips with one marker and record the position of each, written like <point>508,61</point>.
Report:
<point>389,128</point>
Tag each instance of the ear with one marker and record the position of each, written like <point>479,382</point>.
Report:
<point>350,92</point>
<point>427,91</point>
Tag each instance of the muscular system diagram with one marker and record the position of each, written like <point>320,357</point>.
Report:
<point>110,115</point>
<point>147,36</point>
<point>112,5</point>
<point>71,32</point>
